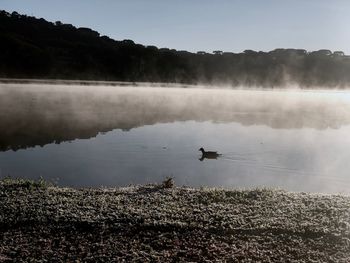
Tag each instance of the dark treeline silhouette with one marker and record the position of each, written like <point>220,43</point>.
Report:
<point>36,48</point>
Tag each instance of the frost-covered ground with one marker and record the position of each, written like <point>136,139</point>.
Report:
<point>153,223</point>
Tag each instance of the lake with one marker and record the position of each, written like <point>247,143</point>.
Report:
<point>93,135</point>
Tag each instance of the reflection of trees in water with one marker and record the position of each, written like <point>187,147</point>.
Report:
<point>38,115</point>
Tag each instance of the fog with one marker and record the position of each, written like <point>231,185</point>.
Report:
<point>274,138</point>
<point>39,114</point>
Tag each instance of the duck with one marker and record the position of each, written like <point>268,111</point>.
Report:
<point>208,154</point>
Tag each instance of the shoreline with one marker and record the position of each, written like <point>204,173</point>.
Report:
<point>207,86</point>
<point>93,82</point>
<point>167,223</point>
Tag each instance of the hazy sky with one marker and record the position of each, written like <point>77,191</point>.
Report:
<point>228,25</point>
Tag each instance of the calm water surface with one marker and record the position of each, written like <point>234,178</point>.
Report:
<point>258,154</point>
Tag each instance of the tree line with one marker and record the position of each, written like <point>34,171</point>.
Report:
<point>35,48</point>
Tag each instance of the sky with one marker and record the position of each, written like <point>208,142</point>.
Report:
<point>205,25</point>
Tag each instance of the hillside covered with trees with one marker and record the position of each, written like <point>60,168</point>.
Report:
<point>35,48</point>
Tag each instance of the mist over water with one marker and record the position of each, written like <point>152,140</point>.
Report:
<point>294,139</point>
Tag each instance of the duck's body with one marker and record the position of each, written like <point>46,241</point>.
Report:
<point>208,154</point>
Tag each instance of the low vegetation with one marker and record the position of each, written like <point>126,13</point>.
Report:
<point>170,224</point>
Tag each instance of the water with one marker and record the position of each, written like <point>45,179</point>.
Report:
<point>109,136</point>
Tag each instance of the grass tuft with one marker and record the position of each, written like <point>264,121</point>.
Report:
<point>168,183</point>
